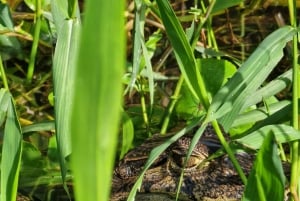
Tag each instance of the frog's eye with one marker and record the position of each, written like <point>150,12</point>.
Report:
<point>125,172</point>
<point>178,159</point>
<point>179,152</point>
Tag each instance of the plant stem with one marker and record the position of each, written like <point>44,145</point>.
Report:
<point>36,36</point>
<point>228,151</point>
<point>295,145</point>
<point>3,75</point>
<point>171,105</point>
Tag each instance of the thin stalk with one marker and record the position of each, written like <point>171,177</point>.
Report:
<point>295,145</point>
<point>171,106</point>
<point>198,30</point>
<point>212,36</point>
<point>36,37</point>
<point>3,75</point>
<point>228,151</point>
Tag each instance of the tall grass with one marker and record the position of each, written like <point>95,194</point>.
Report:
<point>88,64</point>
<point>230,101</point>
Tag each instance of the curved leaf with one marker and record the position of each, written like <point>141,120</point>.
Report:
<point>266,180</point>
<point>230,99</point>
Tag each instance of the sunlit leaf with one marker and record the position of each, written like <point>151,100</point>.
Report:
<point>281,132</point>
<point>271,88</point>
<point>230,99</point>
<point>215,73</point>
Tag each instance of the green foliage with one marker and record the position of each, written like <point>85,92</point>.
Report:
<point>222,5</point>
<point>281,132</point>
<point>229,101</point>
<point>266,180</point>
<point>11,150</point>
<point>183,52</point>
<point>9,46</point>
<point>63,77</point>
<point>215,74</point>
<point>128,134</point>
<point>210,86</point>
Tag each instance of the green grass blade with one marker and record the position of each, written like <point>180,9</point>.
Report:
<point>96,110</point>
<point>282,133</point>
<point>266,180</point>
<point>270,89</point>
<point>276,112</point>
<point>63,76</point>
<point>11,151</point>
<point>42,126</point>
<point>230,99</point>
<point>194,142</point>
<point>36,38</point>
<point>139,21</point>
<point>183,52</point>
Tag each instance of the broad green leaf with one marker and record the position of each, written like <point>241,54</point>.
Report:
<point>183,51</point>
<point>187,105</point>
<point>230,99</point>
<point>222,5</point>
<point>281,132</point>
<point>63,77</point>
<point>96,109</point>
<point>11,153</point>
<point>6,20</point>
<point>156,152</point>
<point>266,180</point>
<point>215,73</point>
